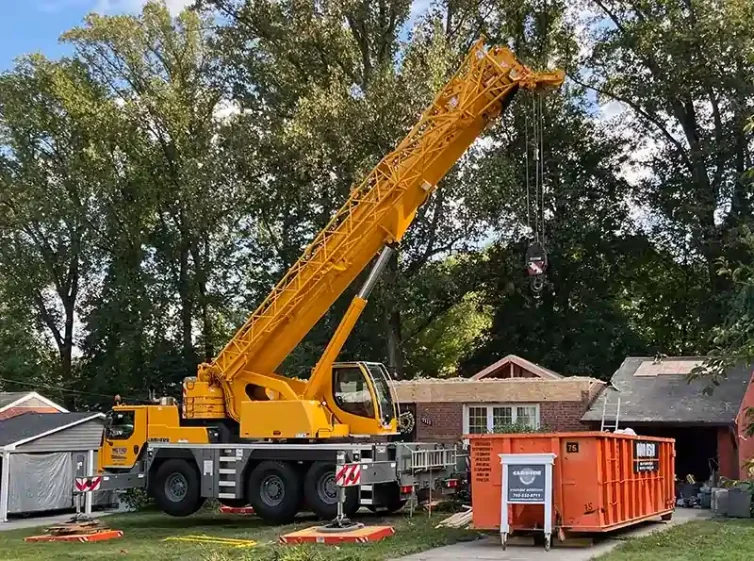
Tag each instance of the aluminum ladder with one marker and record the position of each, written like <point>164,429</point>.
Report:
<point>608,412</point>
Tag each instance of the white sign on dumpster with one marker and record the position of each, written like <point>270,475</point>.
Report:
<point>527,479</point>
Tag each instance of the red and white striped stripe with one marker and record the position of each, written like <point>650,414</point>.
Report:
<point>348,475</point>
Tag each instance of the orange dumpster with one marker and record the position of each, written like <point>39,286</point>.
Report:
<point>601,481</point>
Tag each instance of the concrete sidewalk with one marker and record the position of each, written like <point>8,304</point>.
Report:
<point>489,548</point>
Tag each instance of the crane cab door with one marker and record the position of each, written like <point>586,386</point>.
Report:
<point>362,399</point>
<point>125,434</point>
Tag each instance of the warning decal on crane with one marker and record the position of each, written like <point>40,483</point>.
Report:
<point>348,475</point>
<point>87,484</point>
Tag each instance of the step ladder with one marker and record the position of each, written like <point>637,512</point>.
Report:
<point>610,413</point>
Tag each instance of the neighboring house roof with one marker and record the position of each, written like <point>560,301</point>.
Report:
<point>8,398</point>
<point>535,369</point>
<point>19,399</point>
<point>30,426</point>
<point>659,392</point>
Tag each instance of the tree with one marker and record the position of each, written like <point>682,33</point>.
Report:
<point>683,69</point>
<point>733,342</point>
<point>49,181</point>
<point>175,209</point>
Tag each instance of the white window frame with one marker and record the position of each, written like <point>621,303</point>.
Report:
<point>490,415</point>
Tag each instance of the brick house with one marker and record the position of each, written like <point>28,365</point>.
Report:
<point>18,403</point>
<point>513,390</point>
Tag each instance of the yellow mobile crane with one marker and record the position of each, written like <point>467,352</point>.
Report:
<point>239,398</point>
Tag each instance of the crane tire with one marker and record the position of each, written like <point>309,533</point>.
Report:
<point>274,491</point>
<point>321,492</point>
<point>177,488</point>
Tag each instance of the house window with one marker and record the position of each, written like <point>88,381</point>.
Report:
<point>476,420</point>
<point>481,419</point>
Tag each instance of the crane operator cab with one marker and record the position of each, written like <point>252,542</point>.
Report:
<point>355,399</point>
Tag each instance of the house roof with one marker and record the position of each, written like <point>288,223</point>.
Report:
<point>659,392</point>
<point>30,426</point>
<point>11,399</point>
<point>539,371</point>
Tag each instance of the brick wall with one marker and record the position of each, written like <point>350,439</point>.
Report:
<point>563,416</point>
<point>439,422</point>
<point>443,422</point>
<point>745,443</point>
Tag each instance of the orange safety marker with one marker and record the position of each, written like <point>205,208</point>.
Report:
<point>94,537</point>
<point>315,535</point>
<point>237,509</point>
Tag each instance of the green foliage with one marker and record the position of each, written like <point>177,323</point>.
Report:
<point>158,182</point>
<point>518,428</point>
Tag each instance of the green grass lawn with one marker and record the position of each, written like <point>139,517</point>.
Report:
<point>708,540</point>
<point>144,534</point>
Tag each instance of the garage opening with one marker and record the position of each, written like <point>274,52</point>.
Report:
<point>695,448</point>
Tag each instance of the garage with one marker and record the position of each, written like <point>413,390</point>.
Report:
<point>40,454</point>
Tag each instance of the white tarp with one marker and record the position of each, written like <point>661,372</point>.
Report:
<point>40,482</point>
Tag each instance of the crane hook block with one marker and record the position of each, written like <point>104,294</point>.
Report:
<point>536,260</point>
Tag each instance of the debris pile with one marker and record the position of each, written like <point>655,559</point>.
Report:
<point>458,520</point>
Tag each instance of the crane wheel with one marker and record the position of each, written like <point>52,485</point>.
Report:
<point>274,490</point>
<point>177,489</point>
<point>321,492</point>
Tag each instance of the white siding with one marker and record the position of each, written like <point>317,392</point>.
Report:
<point>86,436</point>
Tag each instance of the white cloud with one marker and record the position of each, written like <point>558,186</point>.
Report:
<point>110,7</point>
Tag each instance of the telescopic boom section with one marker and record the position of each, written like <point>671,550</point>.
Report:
<point>377,212</point>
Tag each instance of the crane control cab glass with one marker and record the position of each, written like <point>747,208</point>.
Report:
<point>363,389</point>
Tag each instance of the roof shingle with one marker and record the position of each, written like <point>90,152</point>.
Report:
<point>668,397</point>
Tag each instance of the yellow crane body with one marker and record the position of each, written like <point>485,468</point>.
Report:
<point>340,399</point>
<point>241,383</point>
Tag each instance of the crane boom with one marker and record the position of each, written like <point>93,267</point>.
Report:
<point>377,212</point>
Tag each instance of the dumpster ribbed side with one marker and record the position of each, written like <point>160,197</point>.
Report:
<point>601,481</point>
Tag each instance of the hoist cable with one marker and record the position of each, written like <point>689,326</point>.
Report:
<point>526,164</point>
<point>541,125</point>
<point>536,170</point>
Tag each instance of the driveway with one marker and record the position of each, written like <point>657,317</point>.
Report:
<point>489,548</point>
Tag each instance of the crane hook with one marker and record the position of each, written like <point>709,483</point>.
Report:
<point>536,265</point>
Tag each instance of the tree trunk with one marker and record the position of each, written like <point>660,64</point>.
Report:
<point>394,349</point>
<point>184,291</point>
<point>202,274</point>
<point>392,318</point>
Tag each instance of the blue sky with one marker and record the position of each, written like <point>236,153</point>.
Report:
<point>28,26</point>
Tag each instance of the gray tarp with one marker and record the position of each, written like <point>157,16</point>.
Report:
<point>40,482</point>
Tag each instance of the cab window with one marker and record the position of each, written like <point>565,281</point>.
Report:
<point>121,425</point>
<point>352,392</point>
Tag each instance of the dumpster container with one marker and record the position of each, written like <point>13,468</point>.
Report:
<point>601,481</point>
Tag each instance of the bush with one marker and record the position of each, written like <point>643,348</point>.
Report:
<point>137,500</point>
<point>517,428</point>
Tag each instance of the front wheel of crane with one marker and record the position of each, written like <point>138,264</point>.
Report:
<point>274,490</point>
<point>321,492</point>
<point>177,488</point>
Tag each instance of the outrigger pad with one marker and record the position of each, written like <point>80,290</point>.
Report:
<point>95,537</point>
<point>365,534</point>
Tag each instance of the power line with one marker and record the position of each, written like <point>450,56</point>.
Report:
<point>58,388</point>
